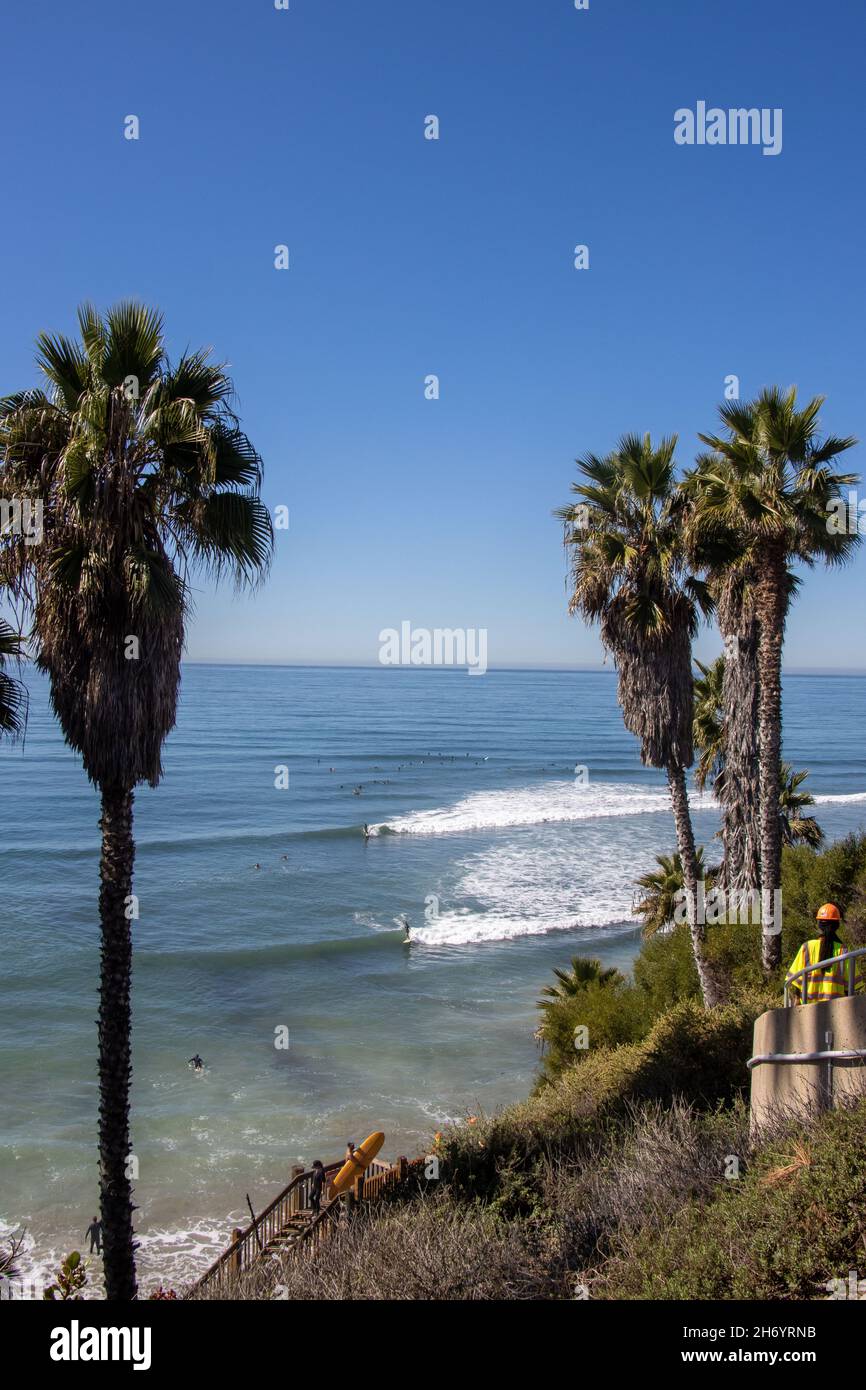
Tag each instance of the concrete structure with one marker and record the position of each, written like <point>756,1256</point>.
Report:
<point>801,1083</point>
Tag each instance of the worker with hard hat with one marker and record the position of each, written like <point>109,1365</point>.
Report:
<point>831,982</point>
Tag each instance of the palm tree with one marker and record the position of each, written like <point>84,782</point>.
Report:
<point>797,829</point>
<point>663,889</point>
<point>13,697</point>
<point>711,724</point>
<point>584,970</point>
<point>708,727</point>
<point>629,574</point>
<point>144,475</point>
<point>768,485</point>
<point>584,977</point>
<point>734,590</point>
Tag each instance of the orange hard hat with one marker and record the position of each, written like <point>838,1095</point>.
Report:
<point>828,913</point>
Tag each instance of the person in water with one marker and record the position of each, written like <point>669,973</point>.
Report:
<point>366,831</point>
<point>196,1063</point>
<point>94,1235</point>
<point>317,1182</point>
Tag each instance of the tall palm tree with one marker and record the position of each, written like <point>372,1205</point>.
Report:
<point>769,485</point>
<point>13,697</point>
<point>629,574</point>
<point>145,476</point>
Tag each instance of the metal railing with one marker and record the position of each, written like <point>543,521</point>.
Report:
<point>853,974</point>
<point>845,1054</point>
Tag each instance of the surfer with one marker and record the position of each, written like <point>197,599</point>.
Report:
<point>196,1063</point>
<point>94,1235</point>
<point>403,921</point>
<point>366,831</point>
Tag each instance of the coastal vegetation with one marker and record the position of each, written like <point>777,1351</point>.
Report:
<point>630,1172</point>
<point>143,476</point>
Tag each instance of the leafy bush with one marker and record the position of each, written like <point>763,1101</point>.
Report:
<point>793,1221</point>
<point>689,1053</point>
<point>665,972</point>
<point>612,1012</point>
<point>69,1280</point>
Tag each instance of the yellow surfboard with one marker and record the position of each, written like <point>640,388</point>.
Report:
<point>358,1163</point>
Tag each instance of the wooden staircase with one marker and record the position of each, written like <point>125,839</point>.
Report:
<point>288,1224</point>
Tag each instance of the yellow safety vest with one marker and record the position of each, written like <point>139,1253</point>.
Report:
<point>829,983</point>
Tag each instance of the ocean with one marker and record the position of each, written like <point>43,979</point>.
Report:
<point>508,818</point>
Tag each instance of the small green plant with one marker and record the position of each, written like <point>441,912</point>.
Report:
<point>8,1264</point>
<point>70,1279</point>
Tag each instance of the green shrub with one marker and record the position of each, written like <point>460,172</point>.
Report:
<point>665,972</point>
<point>611,1013</point>
<point>793,1221</point>
<point>690,1053</point>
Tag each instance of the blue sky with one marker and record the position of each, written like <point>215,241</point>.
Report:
<point>454,257</point>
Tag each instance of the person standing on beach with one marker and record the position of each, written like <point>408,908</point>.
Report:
<point>316,1184</point>
<point>94,1235</point>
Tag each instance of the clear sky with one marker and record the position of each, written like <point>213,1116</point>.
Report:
<point>410,257</point>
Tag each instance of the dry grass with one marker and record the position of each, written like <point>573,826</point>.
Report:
<point>548,1231</point>
<point>801,1158</point>
<point>429,1250</point>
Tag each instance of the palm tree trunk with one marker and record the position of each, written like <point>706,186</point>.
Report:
<point>115,1021</point>
<point>771,602</point>
<point>741,824</point>
<point>686,844</point>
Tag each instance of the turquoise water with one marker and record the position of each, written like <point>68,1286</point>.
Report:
<point>477,819</point>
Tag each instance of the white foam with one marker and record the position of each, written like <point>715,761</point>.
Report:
<point>468,928</point>
<point>539,882</point>
<point>545,803</point>
<point>841,797</point>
